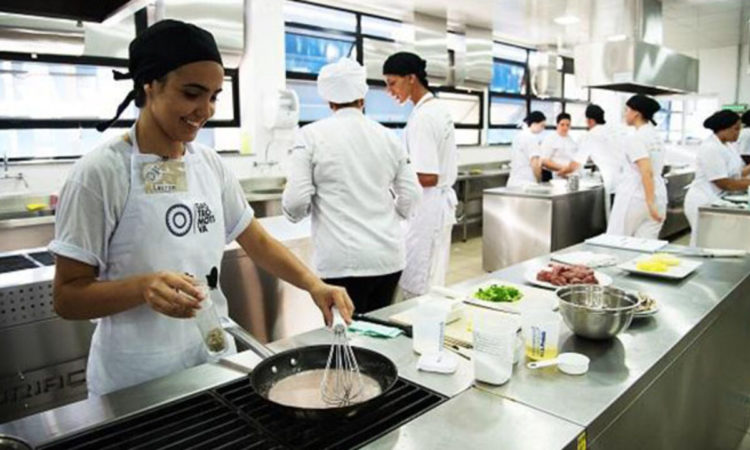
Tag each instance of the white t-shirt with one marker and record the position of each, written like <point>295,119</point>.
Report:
<point>94,196</point>
<point>560,149</point>
<point>716,161</point>
<point>743,143</point>
<point>526,145</point>
<point>431,141</point>
<point>605,151</point>
<point>341,171</point>
<point>645,142</point>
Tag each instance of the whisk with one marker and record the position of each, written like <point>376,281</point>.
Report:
<point>342,380</point>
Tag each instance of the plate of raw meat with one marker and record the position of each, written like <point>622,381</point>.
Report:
<point>554,276</point>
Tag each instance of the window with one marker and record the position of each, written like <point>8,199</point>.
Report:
<point>464,108</point>
<point>320,17</point>
<point>311,106</point>
<point>507,111</point>
<point>386,29</point>
<point>379,106</point>
<point>577,113</point>
<point>501,136</point>
<point>306,53</point>
<point>467,137</point>
<point>550,109</point>
<point>508,78</point>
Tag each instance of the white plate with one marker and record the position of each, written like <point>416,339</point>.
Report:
<point>627,242</point>
<point>531,295</point>
<point>530,277</point>
<point>678,272</point>
<point>738,198</point>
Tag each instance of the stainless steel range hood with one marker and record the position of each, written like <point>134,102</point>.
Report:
<point>632,59</point>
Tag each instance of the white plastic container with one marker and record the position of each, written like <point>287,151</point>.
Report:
<point>494,348</point>
<point>428,329</point>
<point>207,319</point>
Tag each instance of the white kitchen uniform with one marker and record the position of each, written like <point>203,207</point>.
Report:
<point>560,150</point>
<point>630,216</point>
<point>146,231</point>
<point>743,142</point>
<point>342,170</point>
<point>431,145</point>
<point>715,161</point>
<point>602,147</point>
<point>526,145</point>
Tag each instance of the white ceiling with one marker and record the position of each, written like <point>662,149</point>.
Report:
<point>688,25</point>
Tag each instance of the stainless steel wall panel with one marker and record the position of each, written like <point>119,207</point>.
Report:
<point>478,58</point>
<point>431,43</point>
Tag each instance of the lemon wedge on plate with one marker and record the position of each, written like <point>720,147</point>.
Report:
<point>666,258</point>
<point>651,266</point>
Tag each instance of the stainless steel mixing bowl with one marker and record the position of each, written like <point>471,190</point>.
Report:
<point>596,312</point>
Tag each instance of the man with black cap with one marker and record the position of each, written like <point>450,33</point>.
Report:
<point>431,145</point>
<point>142,211</point>
<point>341,172</point>
<point>719,167</point>
<point>605,152</point>
<point>641,200</point>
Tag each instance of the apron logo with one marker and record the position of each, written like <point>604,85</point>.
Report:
<point>204,215</point>
<point>180,218</point>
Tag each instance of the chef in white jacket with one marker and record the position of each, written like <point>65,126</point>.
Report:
<point>146,207</point>
<point>605,151</point>
<point>526,152</point>
<point>431,145</point>
<point>641,199</point>
<point>743,142</point>
<point>353,176</point>
<point>719,167</point>
<point>560,151</point>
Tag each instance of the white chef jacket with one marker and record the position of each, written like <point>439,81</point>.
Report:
<point>431,145</point>
<point>341,171</point>
<point>560,149</point>
<point>645,142</point>
<point>715,161</point>
<point>526,145</point>
<point>602,147</point>
<point>743,143</point>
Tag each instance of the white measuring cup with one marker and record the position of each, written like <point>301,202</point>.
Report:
<point>570,363</point>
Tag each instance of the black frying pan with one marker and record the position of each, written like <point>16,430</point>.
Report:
<point>277,366</point>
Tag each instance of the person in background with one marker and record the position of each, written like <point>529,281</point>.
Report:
<point>743,142</point>
<point>641,199</point>
<point>605,152</point>
<point>353,176</point>
<point>559,150</point>
<point>719,167</point>
<point>142,210</point>
<point>525,163</point>
<point>431,145</point>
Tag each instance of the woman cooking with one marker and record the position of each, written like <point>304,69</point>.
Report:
<point>559,150</point>
<point>142,211</point>
<point>719,167</point>
<point>641,196</point>
<point>525,163</point>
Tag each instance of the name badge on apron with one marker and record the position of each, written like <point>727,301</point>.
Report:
<point>164,177</point>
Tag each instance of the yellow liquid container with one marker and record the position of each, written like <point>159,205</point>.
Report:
<point>541,354</point>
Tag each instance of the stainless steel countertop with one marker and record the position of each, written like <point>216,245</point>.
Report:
<point>556,192</point>
<point>738,211</point>
<point>621,368</point>
<point>488,173</point>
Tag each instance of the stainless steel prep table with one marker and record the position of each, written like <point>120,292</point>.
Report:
<point>470,418</point>
<point>518,225</point>
<point>721,227</point>
<point>676,380</point>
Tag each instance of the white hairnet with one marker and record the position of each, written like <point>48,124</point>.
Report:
<point>342,82</point>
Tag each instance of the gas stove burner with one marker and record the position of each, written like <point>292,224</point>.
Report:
<point>11,443</point>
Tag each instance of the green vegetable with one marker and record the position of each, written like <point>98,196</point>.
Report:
<point>499,293</point>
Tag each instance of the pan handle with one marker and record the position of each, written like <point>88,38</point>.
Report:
<point>239,333</point>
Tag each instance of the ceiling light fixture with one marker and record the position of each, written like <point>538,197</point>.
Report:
<point>566,20</point>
